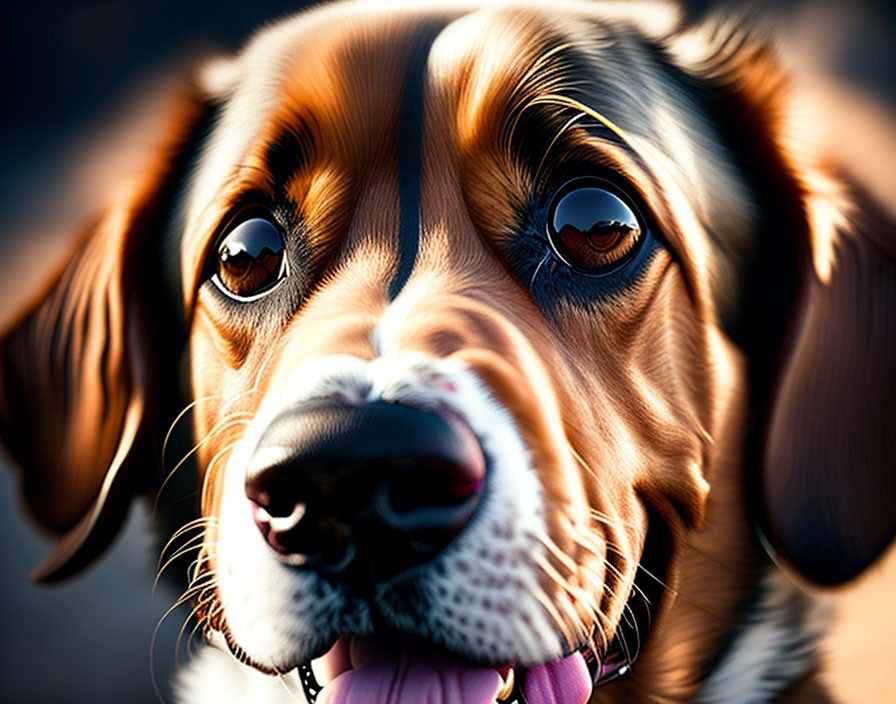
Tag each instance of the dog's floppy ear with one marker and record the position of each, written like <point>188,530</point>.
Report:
<point>79,400</point>
<point>816,316</point>
<point>828,475</point>
<point>825,440</point>
<point>817,301</point>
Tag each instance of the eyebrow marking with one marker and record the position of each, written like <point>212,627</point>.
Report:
<point>288,152</point>
<point>409,158</point>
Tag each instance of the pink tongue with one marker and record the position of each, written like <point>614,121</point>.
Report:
<point>387,672</point>
<point>390,673</point>
<point>565,681</point>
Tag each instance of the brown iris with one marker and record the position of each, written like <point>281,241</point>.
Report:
<point>250,258</point>
<point>590,228</point>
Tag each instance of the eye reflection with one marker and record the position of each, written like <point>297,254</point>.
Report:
<point>590,228</point>
<point>250,258</point>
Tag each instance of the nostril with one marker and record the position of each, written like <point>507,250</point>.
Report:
<point>279,523</point>
<point>424,523</point>
<point>275,527</point>
<point>433,482</point>
<point>270,498</point>
<point>325,542</point>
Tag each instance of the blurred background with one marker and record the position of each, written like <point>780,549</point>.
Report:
<point>70,72</point>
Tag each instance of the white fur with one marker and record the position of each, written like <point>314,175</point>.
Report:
<point>773,649</point>
<point>215,677</point>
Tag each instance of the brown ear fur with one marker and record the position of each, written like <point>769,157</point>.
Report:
<point>828,479</point>
<point>826,494</point>
<point>78,370</point>
<point>818,302</point>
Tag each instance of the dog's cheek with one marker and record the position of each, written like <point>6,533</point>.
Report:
<point>254,594</point>
<point>243,572</point>
<point>572,555</point>
<point>653,388</point>
<point>222,400</point>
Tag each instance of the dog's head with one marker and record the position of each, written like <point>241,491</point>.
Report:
<point>488,315</point>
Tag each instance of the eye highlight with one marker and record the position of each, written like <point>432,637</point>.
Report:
<point>590,227</point>
<point>250,260</point>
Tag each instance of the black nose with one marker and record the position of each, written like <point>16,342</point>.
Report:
<point>364,492</point>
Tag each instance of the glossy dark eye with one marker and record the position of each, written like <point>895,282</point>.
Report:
<point>250,259</point>
<point>590,227</point>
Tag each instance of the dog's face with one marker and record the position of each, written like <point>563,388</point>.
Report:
<point>476,315</point>
<point>465,263</point>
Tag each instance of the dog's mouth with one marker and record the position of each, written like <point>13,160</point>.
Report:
<point>386,670</point>
<point>390,669</point>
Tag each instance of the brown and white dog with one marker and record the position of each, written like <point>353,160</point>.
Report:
<point>506,328</point>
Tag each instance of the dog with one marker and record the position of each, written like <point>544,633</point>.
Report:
<point>534,353</point>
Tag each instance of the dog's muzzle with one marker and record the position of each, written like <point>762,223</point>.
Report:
<point>362,493</point>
